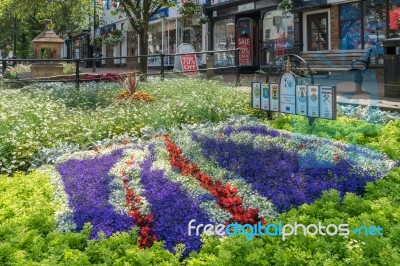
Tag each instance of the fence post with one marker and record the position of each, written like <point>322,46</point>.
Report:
<point>4,63</point>
<point>77,73</point>
<point>210,65</point>
<point>162,66</point>
<point>237,67</point>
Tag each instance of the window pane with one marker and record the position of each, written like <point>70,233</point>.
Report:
<point>394,19</point>
<point>224,39</point>
<point>374,25</point>
<point>278,35</point>
<point>350,26</point>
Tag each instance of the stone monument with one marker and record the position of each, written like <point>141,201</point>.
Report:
<point>47,45</point>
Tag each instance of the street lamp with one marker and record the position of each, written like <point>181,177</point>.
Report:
<point>94,36</point>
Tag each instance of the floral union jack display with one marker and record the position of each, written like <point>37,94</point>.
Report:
<point>237,171</point>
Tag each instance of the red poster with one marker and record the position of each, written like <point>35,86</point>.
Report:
<point>244,52</point>
<point>189,64</point>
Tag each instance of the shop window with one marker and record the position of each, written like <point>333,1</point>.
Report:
<point>224,39</point>
<point>394,19</point>
<point>278,35</point>
<point>374,25</point>
<point>350,26</point>
<point>155,43</point>
<point>191,32</point>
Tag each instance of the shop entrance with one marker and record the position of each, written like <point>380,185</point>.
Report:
<point>317,32</point>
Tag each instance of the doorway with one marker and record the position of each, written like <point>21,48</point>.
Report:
<point>317,32</point>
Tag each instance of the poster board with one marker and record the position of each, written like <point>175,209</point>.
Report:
<point>265,97</point>
<point>327,107</point>
<point>274,97</point>
<point>287,93</point>
<point>182,48</point>
<point>256,95</point>
<point>189,64</point>
<point>301,100</point>
<point>313,100</point>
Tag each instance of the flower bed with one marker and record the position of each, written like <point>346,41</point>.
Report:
<point>109,77</point>
<point>240,171</point>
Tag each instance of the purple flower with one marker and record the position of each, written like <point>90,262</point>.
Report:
<point>284,177</point>
<point>87,184</point>
<point>171,206</point>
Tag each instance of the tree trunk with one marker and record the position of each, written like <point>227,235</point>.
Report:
<point>144,50</point>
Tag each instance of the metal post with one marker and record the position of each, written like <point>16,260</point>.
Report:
<point>4,63</point>
<point>94,35</point>
<point>310,120</point>
<point>77,73</point>
<point>15,40</point>
<point>237,67</point>
<point>162,55</point>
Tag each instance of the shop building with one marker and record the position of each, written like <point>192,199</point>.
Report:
<point>168,29</point>
<point>346,25</point>
<point>257,28</point>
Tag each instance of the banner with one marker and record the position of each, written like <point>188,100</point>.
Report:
<point>244,52</point>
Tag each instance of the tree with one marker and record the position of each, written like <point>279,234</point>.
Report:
<point>67,16</point>
<point>139,14</point>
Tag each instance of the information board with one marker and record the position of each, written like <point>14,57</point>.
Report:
<point>313,100</point>
<point>301,100</point>
<point>274,99</point>
<point>327,102</point>
<point>256,95</point>
<point>287,93</point>
<point>265,96</point>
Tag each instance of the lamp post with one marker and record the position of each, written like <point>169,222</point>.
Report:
<point>94,35</point>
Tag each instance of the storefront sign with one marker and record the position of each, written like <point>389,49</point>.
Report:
<point>327,100</point>
<point>274,99</point>
<point>182,49</point>
<point>313,100</point>
<point>189,64</point>
<point>265,95</point>
<point>287,95</point>
<point>301,100</point>
<point>244,52</point>
<point>256,95</point>
<point>245,7</point>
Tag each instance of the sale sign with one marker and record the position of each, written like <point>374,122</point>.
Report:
<point>189,64</point>
<point>244,51</point>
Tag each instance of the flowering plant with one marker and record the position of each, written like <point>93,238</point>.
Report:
<point>114,38</point>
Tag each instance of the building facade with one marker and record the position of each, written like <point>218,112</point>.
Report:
<point>257,28</point>
<point>346,25</point>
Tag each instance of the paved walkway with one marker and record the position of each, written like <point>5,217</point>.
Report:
<point>373,84</point>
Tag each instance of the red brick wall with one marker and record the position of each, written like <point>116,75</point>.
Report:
<point>335,40</point>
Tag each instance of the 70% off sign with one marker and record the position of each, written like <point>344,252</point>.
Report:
<point>189,64</point>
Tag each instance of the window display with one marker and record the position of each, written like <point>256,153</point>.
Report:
<point>278,35</point>
<point>224,39</point>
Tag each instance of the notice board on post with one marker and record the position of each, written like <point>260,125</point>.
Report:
<point>288,96</point>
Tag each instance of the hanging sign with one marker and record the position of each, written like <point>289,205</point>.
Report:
<point>274,99</point>
<point>265,95</point>
<point>301,100</point>
<point>287,93</point>
<point>327,101</point>
<point>189,64</point>
<point>256,95</point>
<point>313,100</point>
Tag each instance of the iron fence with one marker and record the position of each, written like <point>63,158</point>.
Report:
<point>163,71</point>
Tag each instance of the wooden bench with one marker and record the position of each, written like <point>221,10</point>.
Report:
<point>339,61</point>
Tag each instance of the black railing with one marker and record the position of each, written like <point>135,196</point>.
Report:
<point>163,71</point>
